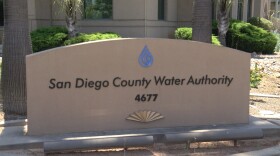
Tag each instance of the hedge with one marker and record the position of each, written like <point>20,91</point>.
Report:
<point>249,38</point>
<point>91,37</point>
<point>261,22</point>
<point>51,37</point>
<point>215,40</point>
<point>215,29</point>
<point>185,33</point>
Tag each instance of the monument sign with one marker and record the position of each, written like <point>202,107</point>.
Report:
<point>136,84</point>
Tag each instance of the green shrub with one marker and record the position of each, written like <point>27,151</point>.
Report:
<point>215,40</point>
<point>261,22</point>
<point>51,30</point>
<point>277,47</point>
<point>186,34</point>
<point>255,77</point>
<point>91,37</point>
<point>215,29</point>
<point>46,38</point>
<point>51,37</point>
<point>249,38</point>
<point>183,33</point>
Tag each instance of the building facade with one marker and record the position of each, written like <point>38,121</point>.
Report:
<point>136,18</point>
<point>275,8</point>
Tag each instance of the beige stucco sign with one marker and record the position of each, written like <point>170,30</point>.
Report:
<point>136,84</point>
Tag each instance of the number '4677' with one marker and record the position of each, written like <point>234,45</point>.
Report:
<point>146,97</point>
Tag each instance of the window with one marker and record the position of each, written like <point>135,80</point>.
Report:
<point>161,7</point>
<point>1,13</point>
<point>249,9</point>
<point>240,10</point>
<point>98,9</point>
<point>214,11</point>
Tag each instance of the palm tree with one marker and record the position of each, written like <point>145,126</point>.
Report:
<point>70,8</point>
<point>16,44</point>
<point>202,21</point>
<point>223,7</point>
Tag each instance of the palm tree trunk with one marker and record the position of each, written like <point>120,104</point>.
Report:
<point>223,25</point>
<point>16,44</point>
<point>223,19</point>
<point>202,21</point>
<point>71,27</point>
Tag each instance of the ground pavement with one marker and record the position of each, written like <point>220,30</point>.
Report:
<point>14,139</point>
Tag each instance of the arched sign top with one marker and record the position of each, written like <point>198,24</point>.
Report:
<point>136,83</point>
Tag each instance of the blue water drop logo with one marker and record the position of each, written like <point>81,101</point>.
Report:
<point>146,59</point>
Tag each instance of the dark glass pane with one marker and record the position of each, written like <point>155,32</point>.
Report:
<point>98,9</point>
<point>213,11</point>
<point>1,13</point>
<point>240,10</point>
<point>161,9</point>
<point>249,10</point>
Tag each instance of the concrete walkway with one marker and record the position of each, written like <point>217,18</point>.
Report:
<point>273,151</point>
<point>14,136</point>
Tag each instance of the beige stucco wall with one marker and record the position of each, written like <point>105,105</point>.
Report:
<point>40,13</point>
<point>272,6</point>
<point>275,8</point>
<point>126,28</point>
<point>258,8</point>
<point>245,10</point>
<point>136,19</point>
<point>261,8</point>
<point>133,18</point>
<point>124,10</point>
<point>184,12</point>
<point>151,9</point>
<point>266,4</point>
<point>171,10</point>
